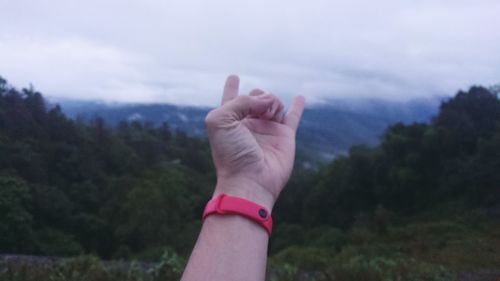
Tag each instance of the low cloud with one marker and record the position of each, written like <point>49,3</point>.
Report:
<point>181,51</point>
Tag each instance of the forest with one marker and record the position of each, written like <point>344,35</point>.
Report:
<point>424,204</point>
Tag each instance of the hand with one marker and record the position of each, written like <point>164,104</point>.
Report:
<point>253,143</point>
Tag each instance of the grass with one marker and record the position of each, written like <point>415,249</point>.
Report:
<point>89,268</point>
<point>430,249</point>
<point>424,249</point>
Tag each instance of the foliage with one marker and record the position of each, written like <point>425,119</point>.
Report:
<point>422,249</point>
<point>387,268</point>
<point>16,221</point>
<point>360,267</point>
<point>69,187</point>
<point>417,167</point>
<point>90,268</point>
<point>421,205</point>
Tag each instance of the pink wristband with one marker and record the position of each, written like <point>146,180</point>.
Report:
<point>229,205</point>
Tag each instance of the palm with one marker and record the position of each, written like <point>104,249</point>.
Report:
<point>275,148</point>
<point>274,140</point>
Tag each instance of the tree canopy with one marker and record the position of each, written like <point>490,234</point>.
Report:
<point>69,187</point>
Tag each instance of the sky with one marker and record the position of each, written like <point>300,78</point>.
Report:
<point>181,51</point>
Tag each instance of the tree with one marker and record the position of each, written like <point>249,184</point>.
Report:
<point>16,222</point>
<point>154,210</point>
<point>466,118</point>
<point>3,85</point>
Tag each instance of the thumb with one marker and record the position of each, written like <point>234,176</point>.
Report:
<point>239,108</point>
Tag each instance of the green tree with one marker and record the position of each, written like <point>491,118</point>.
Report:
<point>16,222</point>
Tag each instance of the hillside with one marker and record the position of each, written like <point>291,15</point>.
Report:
<point>349,122</point>
<point>423,204</point>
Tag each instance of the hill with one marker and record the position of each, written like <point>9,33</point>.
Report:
<point>350,122</point>
<point>423,204</point>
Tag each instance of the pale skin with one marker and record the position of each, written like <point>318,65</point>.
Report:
<point>253,148</point>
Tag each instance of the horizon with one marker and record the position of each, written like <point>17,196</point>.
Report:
<point>328,101</point>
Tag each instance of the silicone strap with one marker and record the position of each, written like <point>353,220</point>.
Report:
<point>229,205</point>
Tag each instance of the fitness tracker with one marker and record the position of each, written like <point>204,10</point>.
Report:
<point>229,205</point>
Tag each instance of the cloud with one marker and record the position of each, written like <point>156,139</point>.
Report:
<point>181,51</point>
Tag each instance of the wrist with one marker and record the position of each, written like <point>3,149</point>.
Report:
<point>246,189</point>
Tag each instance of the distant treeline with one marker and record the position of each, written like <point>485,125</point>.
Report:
<point>68,187</point>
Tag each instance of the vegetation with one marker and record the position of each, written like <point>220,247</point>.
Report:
<point>89,268</point>
<point>422,205</point>
<point>68,187</point>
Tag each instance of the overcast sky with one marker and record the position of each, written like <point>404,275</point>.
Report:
<point>181,51</point>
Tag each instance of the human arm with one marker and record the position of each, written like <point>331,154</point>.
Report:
<point>253,149</point>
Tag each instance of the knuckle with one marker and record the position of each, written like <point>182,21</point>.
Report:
<point>211,118</point>
<point>243,99</point>
<point>256,92</point>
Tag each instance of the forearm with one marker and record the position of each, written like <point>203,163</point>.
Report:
<point>229,247</point>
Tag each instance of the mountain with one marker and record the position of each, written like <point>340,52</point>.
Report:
<point>333,127</point>
<point>188,119</point>
<point>327,129</point>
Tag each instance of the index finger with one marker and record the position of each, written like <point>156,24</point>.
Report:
<point>230,88</point>
<point>292,118</point>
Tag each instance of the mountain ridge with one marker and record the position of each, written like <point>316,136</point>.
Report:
<point>327,129</point>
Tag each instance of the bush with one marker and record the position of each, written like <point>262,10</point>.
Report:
<point>89,268</point>
<point>317,265</point>
<point>386,268</point>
